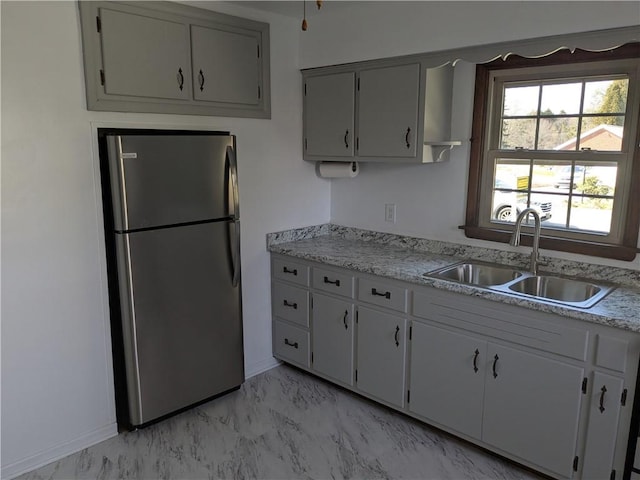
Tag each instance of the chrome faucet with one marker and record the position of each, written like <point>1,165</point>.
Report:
<point>515,237</point>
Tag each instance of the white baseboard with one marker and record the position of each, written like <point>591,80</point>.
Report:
<point>59,451</point>
<point>260,367</point>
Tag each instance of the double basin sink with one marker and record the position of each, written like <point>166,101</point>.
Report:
<point>543,287</point>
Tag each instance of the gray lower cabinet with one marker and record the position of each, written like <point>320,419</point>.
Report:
<point>381,354</point>
<point>550,392</point>
<point>604,412</point>
<point>532,407</point>
<point>329,111</point>
<point>447,378</point>
<point>332,327</point>
<point>166,57</point>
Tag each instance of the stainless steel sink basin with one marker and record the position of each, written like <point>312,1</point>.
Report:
<point>564,290</point>
<point>545,288</point>
<point>475,273</point>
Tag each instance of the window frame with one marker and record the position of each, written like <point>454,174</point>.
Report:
<point>626,246</point>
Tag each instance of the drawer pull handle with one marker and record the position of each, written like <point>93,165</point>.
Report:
<point>406,138</point>
<point>336,283</point>
<point>287,342</point>
<point>386,295</point>
<point>346,139</point>
<point>344,319</point>
<point>475,360</point>
<point>292,305</point>
<point>396,336</point>
<point>603,390</point>
<point>495,362</point>
<point>294,271</point>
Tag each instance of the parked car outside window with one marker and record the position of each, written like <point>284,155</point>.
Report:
<point>508,203</point>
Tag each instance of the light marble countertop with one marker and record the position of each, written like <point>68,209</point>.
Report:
<point>407,259</point>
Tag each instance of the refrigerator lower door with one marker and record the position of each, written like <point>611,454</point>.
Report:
<point>181,317</point>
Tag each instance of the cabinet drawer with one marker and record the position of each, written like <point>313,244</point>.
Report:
<point>333,282</point>
<point>611,353</point>
<point>290,303</point>
<point>291,343</point>
<point>385,295</point>
<point>283,269</point>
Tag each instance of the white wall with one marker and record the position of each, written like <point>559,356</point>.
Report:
<point>431,199</point>
<point>57,394</point>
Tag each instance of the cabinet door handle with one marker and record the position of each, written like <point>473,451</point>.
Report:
<point>344,319</point>
<point>287,342</point>
<point>495,362</point>
<point>293,272</point>
<point>475,360</point>
<point>396,336</point>
<point>292,305</point>
<point>386,295</point>
<point>346,139</point>
<point>603,390</point>
<point>180,78</point>
<point>406,137</point>
<point>336,283</point>
<point>201,78</point>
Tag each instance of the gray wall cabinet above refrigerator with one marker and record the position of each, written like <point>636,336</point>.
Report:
<point>161,57</point>
<point>393,110</point>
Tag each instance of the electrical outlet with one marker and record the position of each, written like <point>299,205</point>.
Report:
<point>390,212</point>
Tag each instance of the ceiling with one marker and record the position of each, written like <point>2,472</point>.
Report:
<point>293,8</point>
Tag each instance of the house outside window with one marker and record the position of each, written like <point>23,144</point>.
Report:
<point>559,134</point>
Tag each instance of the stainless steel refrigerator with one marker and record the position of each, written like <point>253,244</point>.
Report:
<point>173,246</point>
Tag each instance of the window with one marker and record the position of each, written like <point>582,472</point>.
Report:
<point>559,134</point>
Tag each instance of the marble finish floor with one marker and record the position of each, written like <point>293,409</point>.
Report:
<point>284,424</point>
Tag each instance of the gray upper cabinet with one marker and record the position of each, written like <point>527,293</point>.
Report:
<point>329,111</point>
<point>164,57</point>
<point>129,70</point>
<point>391,110</point>
<point>388,111</point>
<point>226,65</point>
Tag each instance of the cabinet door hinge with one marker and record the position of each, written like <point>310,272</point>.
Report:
<point>356,375</point>
<point>101,77</point>
<point>259,93</point>
<point>311,302</point>
<point>305,143</point>
<point>623,400</point>
<point>613,475</point>
<point>312,357</point>
<point>584,385</point>
<point>258,48</point>
<point>575,463</point>
<point>410,332</point>
<point>358,84</point>
<point>98,24</point>
<point>305,89</point>
<point>357,314</point>
<point>357,143</point>
<point>408,396</point>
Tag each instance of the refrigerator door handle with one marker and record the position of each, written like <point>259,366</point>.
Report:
<point>233,177</point>
<point>235,254</point>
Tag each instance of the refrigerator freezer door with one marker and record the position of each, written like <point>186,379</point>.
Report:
<point>181,317</point>
<point>167,180</point>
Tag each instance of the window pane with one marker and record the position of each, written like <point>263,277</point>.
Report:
<point>593,214</point>
<point>596,180</point>
<point>543,204</point>
<point>602,133</point>
<point>520,101</point>
<point>557,133</point>
<point>518,133</point>
<point>544,175</point>
<point>569,177</point>
<point>561,99</point>
<point>607,96</point>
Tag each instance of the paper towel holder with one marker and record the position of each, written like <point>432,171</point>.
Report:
<point>348,169</point>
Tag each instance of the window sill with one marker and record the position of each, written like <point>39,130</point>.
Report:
<point>594,249</point>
